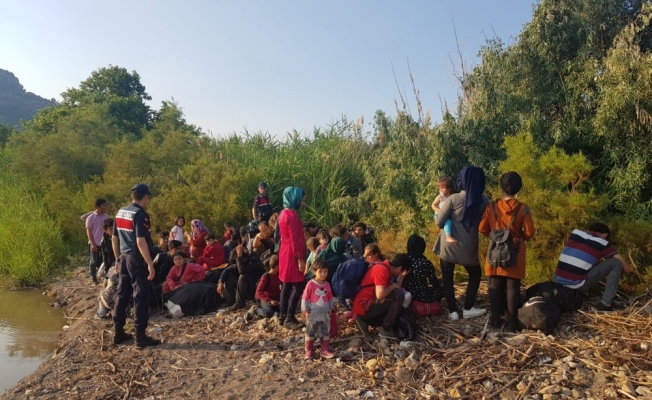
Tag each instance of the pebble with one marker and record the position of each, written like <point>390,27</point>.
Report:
<point>402,374</point>
<point>430,389</point>
<point>261,343</point>
<point>353,392</point>
<point>372,364</point>
<point>234,347</point>
<point>383,343</point>
<point>508,394</point>
<point>568,359</point>
<point>643,391</point>
<point>379,375</point>
<point>66,327</point>
<point>488,384</point>
<point>574,364</point>
<point>577,394</point>
<point>355,343</point>
<point>521,386</point>
<point>552,389</point>
<point>645,346</point>
<point>368,394</point>
<point>545,360</point>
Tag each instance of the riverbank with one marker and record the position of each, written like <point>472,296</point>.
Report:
<point>591,355</point>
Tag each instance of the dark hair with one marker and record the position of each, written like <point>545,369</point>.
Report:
<point>338,231</point>
<point>273,261</point>
<point>599,227</point>
<point>108,223</point>
<point>99,203</point>
<point>163,234</point>
<point>179,253</point>
<point>401,260</point>
<point>228,224</point>
<point>174,244</point>
<point>210,236</point>
<point>374,249</point>
<point>309,225</point>
<point>448,182</point>
<point>243,231</point>
<point>323,234</point>
<point>138,196</point>
<point>312,242</point>
<point>511,183</point>
<point>236,236</point>
<point>176,220</point>
<point>318,264</point>
<point>360,225</point>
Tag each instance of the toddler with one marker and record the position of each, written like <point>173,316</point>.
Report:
<point>311,244</point>
<point>269,290</point>
<point>316,304</point>
<point>445,186</point>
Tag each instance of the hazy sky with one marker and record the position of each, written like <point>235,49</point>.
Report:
<point>261,65</point>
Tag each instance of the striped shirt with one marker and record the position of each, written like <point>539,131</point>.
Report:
<point>583,250</point>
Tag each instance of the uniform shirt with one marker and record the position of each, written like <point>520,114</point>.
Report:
<point>263,207</point>
<point>583,250</point>
<point>130,223</point>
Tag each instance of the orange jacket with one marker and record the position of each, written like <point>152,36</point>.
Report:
<point>523,223</point>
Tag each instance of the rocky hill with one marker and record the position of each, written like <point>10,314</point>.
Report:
<point>15,102</point>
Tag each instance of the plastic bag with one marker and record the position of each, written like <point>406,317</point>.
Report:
<point>102,271</point>
<point>174,309</point>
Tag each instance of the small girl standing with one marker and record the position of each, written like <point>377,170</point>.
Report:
<point>445,186</point>
<point>176,232</point>
<point>312,244</point>
<point>316,304</point>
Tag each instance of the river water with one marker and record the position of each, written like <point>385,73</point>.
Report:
<point>29,332</point>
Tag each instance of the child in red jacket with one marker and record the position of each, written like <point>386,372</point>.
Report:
<point>182,273</point>
<point>269,290</point>
<point>213,254</point>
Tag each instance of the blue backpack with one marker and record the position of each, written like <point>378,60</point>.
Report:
<point>347,278</point>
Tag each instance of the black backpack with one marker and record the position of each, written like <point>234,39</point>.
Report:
<point>567,299</point>
<point>539,313</point>
<point>502,251</point>
<point>405,326</point>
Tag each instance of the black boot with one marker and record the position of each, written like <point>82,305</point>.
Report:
<point>142,340</point>
<point>120,336</point>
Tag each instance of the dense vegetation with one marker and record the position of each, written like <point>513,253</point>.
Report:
<point>567,105</point>
<point>15,103</point>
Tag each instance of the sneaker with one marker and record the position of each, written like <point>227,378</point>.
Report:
<point>454,316</point>
<point>613,307</point>
<point>362,326</point>
<point>473,312</point>
<point>95,281</point>
<point>387,334</point>
<point>145,341</point>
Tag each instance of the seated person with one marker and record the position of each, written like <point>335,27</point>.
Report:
<point>163,263</point>
<point>229,229</point>
<point>231,244</point>
<point>379,301</point>
<point>213,254</point>
<point>264,240</point>
<point>163,240</point>
<point>269,290</point>
<point>421,282</point>
<point>579,265</point>
<point>237,284</point>
<point>197,238</point>
<point>182,273</point>
<point>365,235</point>
<point>354,245</point>
<point>108,294</point>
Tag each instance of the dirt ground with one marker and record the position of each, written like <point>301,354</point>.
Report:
<point>591,355</point>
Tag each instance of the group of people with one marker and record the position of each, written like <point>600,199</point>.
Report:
<point>281,264</point>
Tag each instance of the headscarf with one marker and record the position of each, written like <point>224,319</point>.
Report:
<point>416,245</point>
<point>334,253</point>
<point>292,198</point>
<point>472,180</point>
<point>197,228</point>
<point>511,183</point>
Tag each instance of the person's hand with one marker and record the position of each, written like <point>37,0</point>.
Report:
<point>152,272</point>
<point>117,266</point>
<point>94,248</point>
<point>239,250</point>
<point>305,315</point>
<point>273,302</point>
<point>302,266</point>
<point>220,289</point>
<point>401,277</point>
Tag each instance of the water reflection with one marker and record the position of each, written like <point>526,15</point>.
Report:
<point>29,331</point>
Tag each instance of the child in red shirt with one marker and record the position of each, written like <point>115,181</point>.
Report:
<point>182,273</point>
<point>269,290</point>
<point>213,254</point>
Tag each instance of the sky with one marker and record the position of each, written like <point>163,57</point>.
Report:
<point>270,66</point>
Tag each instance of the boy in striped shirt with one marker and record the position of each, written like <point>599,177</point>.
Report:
<point>579,265</point>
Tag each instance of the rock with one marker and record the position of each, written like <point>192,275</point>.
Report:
<point>265,358</point>
<point>405,343</point>
<point>29,392</point>
<point>552,389</point>
<point>545,360</point>
<point>628,387</point>
<point>574,364</point>
<point>508,394</point>
<point>577,394</point>
<point>412,361</point>
<point>645,346</point>
<point>261,343</point>
<point>430,389</point>
<point>379,375</point>
<point>383,343</point>
<point>568,359</point>
<point>516,340</point>
<point>355,343</point>
<point>488,384</point>
<point>368,394</point>
<point>566,392</point>
<point>234,347</point>
<point>372,364</point>
<point>353,392</point>
<point>456,392</point>
<point>403,374</point>
<point>643,391</point>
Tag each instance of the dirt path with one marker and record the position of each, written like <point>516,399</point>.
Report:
<point>221,357</point>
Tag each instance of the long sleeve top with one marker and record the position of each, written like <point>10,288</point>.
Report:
<point>192,273</point>
<point>292,248</point>
<point>214,255</point>
<point>197,245</point>
<point>269,288</point>
<point>247,265</point>
<point>106,247</point>
<point>317,298</point>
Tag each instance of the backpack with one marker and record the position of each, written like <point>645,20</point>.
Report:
<point>567,299</point>
<point>502,251</point>
<point>347,278</point>
<point>538,313</point>
<point>405,326</point>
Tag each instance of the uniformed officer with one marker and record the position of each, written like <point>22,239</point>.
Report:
<point>132,242</point>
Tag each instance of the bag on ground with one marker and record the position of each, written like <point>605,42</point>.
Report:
<point>347,278</point>
<point>502,251</point>
<point>538,313</point>
<point>405,326</point>
<point>425,309</point>
<point>567,299</point>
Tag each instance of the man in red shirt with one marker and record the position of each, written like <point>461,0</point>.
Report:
<point>379,301</point>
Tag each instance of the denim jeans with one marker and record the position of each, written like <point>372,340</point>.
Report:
<point>612,269</point>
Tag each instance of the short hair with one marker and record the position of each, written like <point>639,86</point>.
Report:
<point>338,231</point>
<point>228,224</point>
<point>163,234</point>
<point>138,196</point>
<point>312,242</point>
<point>323,234</point>
<point>99,203</point>
<point>318,264</point>
<point>179,253</point>
<point>447,181</point>
<point>273,261</point>
<point>210,236</point>
<point>236,236</point>
<point>310,225</point>
<point>374,249</point>
<point>599,227</point>
<point>401,260</point>
<point>243,231</point>
<point>176,220</point>
<point>360,225</point>
<point>175,244</point>
<point>108,223</point>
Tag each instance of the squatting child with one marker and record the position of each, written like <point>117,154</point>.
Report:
<point>316,304</point>
<point>269,290</point>
<point>446,187</point>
